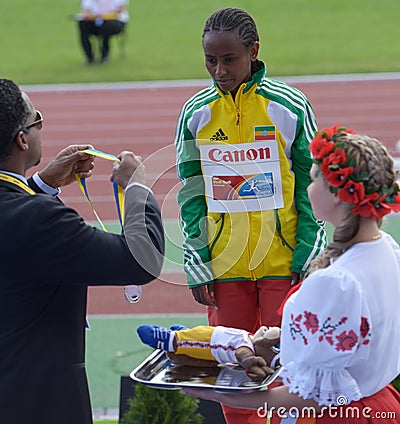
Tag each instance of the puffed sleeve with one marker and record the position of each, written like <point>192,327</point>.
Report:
<point>326,329</point>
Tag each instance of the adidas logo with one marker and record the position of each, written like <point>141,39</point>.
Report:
<point>219,136</point>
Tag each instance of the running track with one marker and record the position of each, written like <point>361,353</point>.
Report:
<point>142,118</point>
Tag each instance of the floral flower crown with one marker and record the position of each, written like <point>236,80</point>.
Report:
<point>338,171</point>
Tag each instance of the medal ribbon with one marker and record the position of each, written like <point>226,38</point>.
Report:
<point>118,190</point>
<point>132,292</point>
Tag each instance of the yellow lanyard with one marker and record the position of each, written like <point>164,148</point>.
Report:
<point>17,182</point>
<point>118,190</point>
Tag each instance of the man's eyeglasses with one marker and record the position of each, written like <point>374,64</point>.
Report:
<point>38,122</point>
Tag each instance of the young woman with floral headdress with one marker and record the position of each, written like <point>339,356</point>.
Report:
<point>340,340</point>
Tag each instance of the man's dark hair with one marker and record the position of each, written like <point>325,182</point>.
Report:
<point>234,19</point>
<point>14,114</point>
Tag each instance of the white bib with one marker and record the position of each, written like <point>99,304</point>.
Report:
<point>241,177</point>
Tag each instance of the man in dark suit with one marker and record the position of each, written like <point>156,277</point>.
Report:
<point>48,257</point>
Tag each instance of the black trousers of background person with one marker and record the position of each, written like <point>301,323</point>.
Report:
<point>104,31</point>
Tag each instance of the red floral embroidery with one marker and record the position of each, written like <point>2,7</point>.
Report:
<point>328,328</point>
<point>295,328</point>
<point>365,330</point>
<point>346,341</point>
<point>327,331</point>
<point>329,339</point>
<point>311,322</point>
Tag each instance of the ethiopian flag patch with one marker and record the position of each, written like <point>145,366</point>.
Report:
<point>264,133</point>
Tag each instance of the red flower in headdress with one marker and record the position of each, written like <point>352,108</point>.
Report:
<point>330,132</point>
<point>396,203</point>
<point>366,208</point>
<point>335,178</point>
<point>382,207</point>
<point>352,192</point>
<point>338,157</point>
<point>321,147</point>
<point>331,156</point>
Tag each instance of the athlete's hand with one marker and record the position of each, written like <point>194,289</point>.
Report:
<point>205,295</point>
<point>297,278</point>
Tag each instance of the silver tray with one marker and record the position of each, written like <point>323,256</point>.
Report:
<point>158,371</point>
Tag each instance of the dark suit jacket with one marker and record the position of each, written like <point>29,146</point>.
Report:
<point>48,257</point>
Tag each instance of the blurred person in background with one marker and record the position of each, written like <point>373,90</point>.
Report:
<point>102,19</point>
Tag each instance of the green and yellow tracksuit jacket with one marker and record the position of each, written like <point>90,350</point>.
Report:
<point>266,244</point>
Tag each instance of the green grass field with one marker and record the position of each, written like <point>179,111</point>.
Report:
<point>106,422</point>
<point>39,40</point>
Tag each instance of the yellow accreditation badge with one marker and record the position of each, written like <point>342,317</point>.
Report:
<point>17,182</point>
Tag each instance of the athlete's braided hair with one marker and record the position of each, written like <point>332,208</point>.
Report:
<point>14,114</point>
<point>234,19</point>
<point>369,158</point>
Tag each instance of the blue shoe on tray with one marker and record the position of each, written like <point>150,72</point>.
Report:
<point>177,327</point>
<point>155,336</point>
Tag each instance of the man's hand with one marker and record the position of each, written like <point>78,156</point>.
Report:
<point>205,295</point>
<point>70,161</point>
<point>130,169</point>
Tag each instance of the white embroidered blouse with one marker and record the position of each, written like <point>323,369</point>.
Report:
<point>340,337</point>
